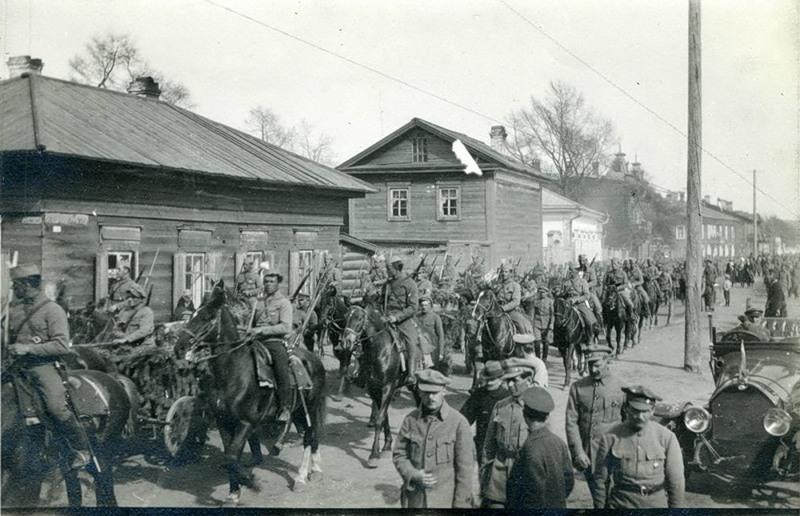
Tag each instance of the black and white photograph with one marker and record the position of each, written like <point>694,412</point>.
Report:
<point>376,255</point>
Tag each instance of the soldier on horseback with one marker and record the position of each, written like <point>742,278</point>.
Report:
<point>273,319</point>
<point>576,290</point>
<point>120,288</point>
<point>248,282</point>
<point>636,280</point>
<point>617,281</point>
<point>401,302</point>
<point>39,336</point>
<point>590,278</point>
<point>510,296</point>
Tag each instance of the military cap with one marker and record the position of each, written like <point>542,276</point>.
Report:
<point>303,295</point>
<point>596,352</point>
<point>395,260</point>
<point>25,271</point>
<point>425,298</point>
<point>537,399</point>
<point>430,380</point>
<point>136,290</point>
<point>492,370</point>
<point>513,367</point>
<point>749,309</point>
<point>640,397</point>
<point>266,272</point>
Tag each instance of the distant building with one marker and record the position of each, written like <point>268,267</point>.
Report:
<point>724,233</point>
<point>438,190</point>
<point>570,229</point>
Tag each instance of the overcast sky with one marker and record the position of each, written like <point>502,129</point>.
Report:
<point>479,54</point>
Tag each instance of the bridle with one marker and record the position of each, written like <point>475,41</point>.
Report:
<point>199,341</point>
<point>486,313</point>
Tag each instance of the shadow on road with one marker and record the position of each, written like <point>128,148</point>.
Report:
<point>389,492</point>
<point>771,495</point>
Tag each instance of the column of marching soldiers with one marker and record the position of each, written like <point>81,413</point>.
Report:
<point>628,460</point>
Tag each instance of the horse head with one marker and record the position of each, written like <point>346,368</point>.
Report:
<point>486,305</point>
<point>354,326</point>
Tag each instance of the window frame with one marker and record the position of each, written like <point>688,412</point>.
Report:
<point>419,155</point>
<point>680,232</point>
<point>390,202</point>
<point>186,274</point>
<point>440,188</point>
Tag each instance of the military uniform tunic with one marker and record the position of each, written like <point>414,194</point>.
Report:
<point>47,332</point>
<point>542,475</point>
<point>636,470</point>
<point>478,409</point>
<point>505,436</point>
<point>440,444</point>
<point>593,407</point>
<point>402,302</point>
<point>137,325</point>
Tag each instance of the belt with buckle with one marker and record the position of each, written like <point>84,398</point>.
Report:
<point>642,490</point>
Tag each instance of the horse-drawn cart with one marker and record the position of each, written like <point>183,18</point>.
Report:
<point>165,388</point>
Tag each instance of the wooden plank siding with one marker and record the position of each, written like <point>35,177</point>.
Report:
<point>518,230</point>
<point>22,232</point>
<point>369,216</point>
<point>400,153</point>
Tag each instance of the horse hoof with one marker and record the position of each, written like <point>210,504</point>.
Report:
<point>232,500</point>
<point>298,485</point>
<point>336,397</point>
<point>315,477</point>
<point>372,463</point>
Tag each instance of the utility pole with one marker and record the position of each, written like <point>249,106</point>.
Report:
<point>755,219</point>
<point>692,348</point>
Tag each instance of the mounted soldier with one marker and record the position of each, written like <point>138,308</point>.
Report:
<point>39,336</point>
<point>617,281</point>
<point>401,303</point>
<point>248,282</point>
<point>273,320</point>
<point>577,292</point>
<point>589,276</point>
<point>299,314</point>
<point>424,284</point>
<point>510,296</point>
<point>636,280</point>
<point>134,325</point>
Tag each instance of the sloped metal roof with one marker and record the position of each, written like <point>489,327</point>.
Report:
<point>552,201</point>
<point>475,147</point>
<point>71,119</point>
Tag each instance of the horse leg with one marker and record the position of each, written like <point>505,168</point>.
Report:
<point>254,442</point>
<point>387,433</point>
<point>302,471</point>
<point>104,481</point>
<point>381,415</point>
<point>567,358</point>
<point>73,487</point>
<point>233,454</point>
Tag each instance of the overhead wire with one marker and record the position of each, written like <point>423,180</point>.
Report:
<point>639,103</point>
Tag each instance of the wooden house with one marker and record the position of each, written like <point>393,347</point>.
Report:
<point>426,200</point>
<point>92,180</point>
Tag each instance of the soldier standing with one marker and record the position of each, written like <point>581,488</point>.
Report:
<point>776,299</point>
<point>434,452</point>
<point>639,464</point>
<point>594,405</point>
<point>542,475</point>
<point>39,335</point>
<point>506,432</point>
<point>543,317</point>
<point>299,315</point>
<point>401,301</point>
<point>481,401</point>
<point>424,284</point>
<point>431,325</point>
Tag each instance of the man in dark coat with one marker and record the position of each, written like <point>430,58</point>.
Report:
<point>542,475</point>
<point>776,299</point>
<point>480,403</point>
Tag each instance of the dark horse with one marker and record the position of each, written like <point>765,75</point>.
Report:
<point>372,340</point>
<point>654,293</point>
<point>616,318</point>
<point>496,328</point>
<point>30,451</point>
<point>333,317</point>
<point>238,403</point>
<point>570,335</point>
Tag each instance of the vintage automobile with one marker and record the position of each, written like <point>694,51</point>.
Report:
<point>750,428</point>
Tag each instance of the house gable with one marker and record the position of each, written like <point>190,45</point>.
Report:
<point>431,150</point>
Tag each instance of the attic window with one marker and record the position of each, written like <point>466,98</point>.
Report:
<point>419,149</point>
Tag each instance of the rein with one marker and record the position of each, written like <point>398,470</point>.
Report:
<point>198,342</point>
<point>487,314</point>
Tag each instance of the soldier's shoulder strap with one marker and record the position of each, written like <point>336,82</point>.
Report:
<point>33,311</point>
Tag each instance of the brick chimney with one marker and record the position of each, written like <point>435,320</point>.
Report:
<point>497,138</point>
<point>144,87</point>
<point>21,65</point>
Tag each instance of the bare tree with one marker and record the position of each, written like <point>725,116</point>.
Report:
<point>112,61</point>
<point>566,132</point>
<point>305,139</point>
<point>264,123</point>
<point>314,144</point>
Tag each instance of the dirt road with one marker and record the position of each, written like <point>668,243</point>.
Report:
<point>658,362</point>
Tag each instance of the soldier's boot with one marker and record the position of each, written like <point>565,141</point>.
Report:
<point>79,455</point>
<point>411,366</point>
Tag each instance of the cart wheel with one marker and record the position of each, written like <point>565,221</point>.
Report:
<point>184,429</point>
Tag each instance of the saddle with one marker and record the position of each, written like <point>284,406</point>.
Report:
<point>300,377</point>
<point>87,394</point>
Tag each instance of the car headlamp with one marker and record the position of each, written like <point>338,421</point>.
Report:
<point>697,419</point>
<point>777,422</point>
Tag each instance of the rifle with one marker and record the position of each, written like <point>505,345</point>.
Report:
<point>419,266</point>
<point>433,267</point>
<point>300,286</point>
<point>519,260</point>
<point>152,266</point>
<point>149,295</point>
<point>444,262</point>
